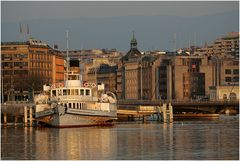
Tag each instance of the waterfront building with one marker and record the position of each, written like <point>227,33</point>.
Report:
<point>192,76</point>
<point>229,71</point>
<point>225,93</point>
<point>136,74</point>
<point>130,72</point>
<point>104,74</point>
<point>27,66</point>
<point>226,78</point>
<point>86,56</point>
<point>226,45</point>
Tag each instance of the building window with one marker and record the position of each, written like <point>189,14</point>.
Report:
<point>227,71</point>
<point>235,63</point>
<point>227,79</point>
<point>235,71</point>
<point>235,79</point>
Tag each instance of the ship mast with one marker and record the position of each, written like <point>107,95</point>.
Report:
<point>67,53</point>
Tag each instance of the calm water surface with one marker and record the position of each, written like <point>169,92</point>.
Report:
<point>182,140</point>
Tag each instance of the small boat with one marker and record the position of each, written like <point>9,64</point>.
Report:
<point>72,104</point>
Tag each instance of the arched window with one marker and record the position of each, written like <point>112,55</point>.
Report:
<point>233,96</point>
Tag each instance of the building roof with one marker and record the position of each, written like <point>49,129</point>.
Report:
<point>14,43</point>
<point>103,68</point>
<point>133,52</point>
<point>149,58</point>
<point>25,43</point>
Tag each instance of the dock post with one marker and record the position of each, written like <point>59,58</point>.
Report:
<point>30,117</point>
<point>15,120</point>
<point>159,113</point>
<point>164,112</point>
<point>5,119</point>
<point>25,116</point>
<point>170,113</point>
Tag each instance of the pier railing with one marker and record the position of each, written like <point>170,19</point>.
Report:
<point>179,102</point>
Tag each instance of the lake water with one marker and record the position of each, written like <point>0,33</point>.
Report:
<point>181,140</point>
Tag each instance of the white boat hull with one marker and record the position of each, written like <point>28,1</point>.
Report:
<point>76,118</point>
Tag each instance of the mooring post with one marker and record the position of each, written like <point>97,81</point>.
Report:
<point>30,117</point>
<point>170,113</point>
<point>5,119</point>
<point>25,116</point>
<point>15,120</point>
<point>164,112</point>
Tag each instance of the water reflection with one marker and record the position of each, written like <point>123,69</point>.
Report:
<point>77,143</point>
<point>145,141</point>
<point>179,140</point>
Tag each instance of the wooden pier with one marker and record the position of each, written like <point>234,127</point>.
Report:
<point>19,112</point>
<point>164,113</point>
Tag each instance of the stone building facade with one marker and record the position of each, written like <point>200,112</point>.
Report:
<point>27,66</point>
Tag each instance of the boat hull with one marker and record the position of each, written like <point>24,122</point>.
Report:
<point>70,120</point>
<point>82,118</point>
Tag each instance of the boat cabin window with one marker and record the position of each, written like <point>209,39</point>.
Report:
<point>87,92</point>
<point>60,92</point>
<point>81,91</point>
<point>72,92</point>
<point>76,92</point>
<point>73,77</point>
<point>53,92</point>
<point>64,92</point>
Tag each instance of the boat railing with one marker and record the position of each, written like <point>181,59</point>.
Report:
<point>74,97</point>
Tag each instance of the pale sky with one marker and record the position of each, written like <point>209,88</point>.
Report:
<point>15,11</point>
<point>154,22</point>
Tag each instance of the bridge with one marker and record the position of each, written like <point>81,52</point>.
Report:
<point>210,107</point>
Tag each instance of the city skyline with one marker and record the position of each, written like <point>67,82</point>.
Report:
<point>110,24</point>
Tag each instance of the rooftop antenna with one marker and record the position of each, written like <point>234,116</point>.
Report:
<point>179,38</point>
<point>175,41</point>
<point>195,41</point>
<point>24,30</point>
<point>189,40</point>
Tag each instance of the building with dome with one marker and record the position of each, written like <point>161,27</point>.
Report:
<point>134,78</point>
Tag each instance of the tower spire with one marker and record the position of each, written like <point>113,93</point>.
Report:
<point>133,41</point>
